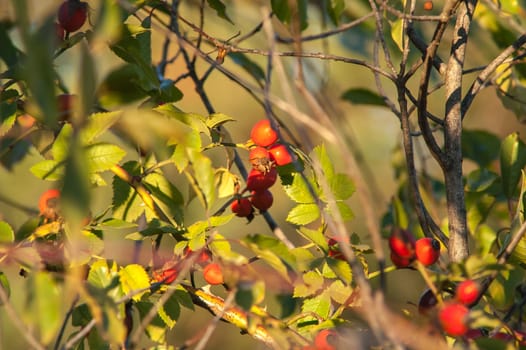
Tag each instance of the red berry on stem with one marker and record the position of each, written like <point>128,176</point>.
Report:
<point>467,292</point>
<point>262,133</point>
<point>213,274</point>
<point>48,204</point>
<point>241,207</point>
<point>453,318</point>
<point>259,180</point>
<point>427,250</point>
<point>72,14</point>
<point>262,200</point>
<point>399,261</point>
<point>280,154</point>
<point>428,5</point>
<point>324,340</point>
<point>402,243</point>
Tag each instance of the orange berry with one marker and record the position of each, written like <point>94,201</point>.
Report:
<point>213,274</point>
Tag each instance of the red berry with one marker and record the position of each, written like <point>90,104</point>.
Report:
<point>334,250</point>
<point>427,250</point>
<point>324,340</point>
<point>213,274</point>
<point>260,159</point>
<point>453,318</point>
<point>241,207</point>
<point>262,200</point>
<point>65,104</point>
<point>402,243</point>
<point>204,255</point>
<point>427,302</point>
<point>428,5</point>
<point>259,180</point>
<point>280,154</point>
<point>262,133</point>
<point>72,14</point>
<point>400,262</point>
<point>48,204</point>
<point>467,292</point>
<point>166,276</point>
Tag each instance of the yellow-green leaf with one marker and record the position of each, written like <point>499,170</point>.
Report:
<point>134,278</point>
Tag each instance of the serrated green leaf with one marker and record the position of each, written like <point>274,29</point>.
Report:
<point>303,214</point>
<point>326,162</point>
<point>101,274</point>
<point>217,119</point>
<point>103,156</point>
<point>315,236</point>
<point>120,87</point>
<point>170,311</point>
<point>221,247</point>
<point>7,116</point>
<point>97,125</point>
<point>133,278</point>
<point>319,305</point>
<point>346,212</point>
<point>7,235</point>
<point>312,283</point>
<point>49,170</point>
<point>226,183</point>
<point>362,96</point>
<point>512,160</point>
<point>298,190</point>
<point>169,197</point>
<point>340,292</point>
<point>266,254</point>
<point>397,33</point>
<point>342,186</point>
<point>341,269</point>
<point>60,147</point>
<point>156,329</point>
<point>8,51</point>
<point>204,184</point>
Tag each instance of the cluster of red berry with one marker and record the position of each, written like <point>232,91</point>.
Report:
<point>212,272</point>
<point>453,316</point>
<point>72,15</point>
<point>264,156</point>
<point>405,249</point>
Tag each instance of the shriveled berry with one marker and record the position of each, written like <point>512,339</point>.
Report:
<point>259,157</point>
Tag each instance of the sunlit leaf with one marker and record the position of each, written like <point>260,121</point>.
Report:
<point>46,305</point>
<point>303,214</point>
<point>48,170</point>
<point>134,278</point>
<point>397,33</point>
<point>312,282</point>
<point>512,160</point>
<point>7,235</point>
<point>341,269</point>
<point>4,284</point>
<point>98,124</point>
<point>170,312</point>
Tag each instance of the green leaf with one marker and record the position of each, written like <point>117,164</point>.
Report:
<point>226,183</point>
<point>170,199</point>
<point>7,116</point>
<point>98,124</point>
<point>217,119</point>
<point>312,283</point>
<point>298,190</point>
<point>7,235</point>
<point>303,214</point>
<point>319,305</point>
<point>272,251</point>
<point>340,292</point>
<point>133,278</point>
<point>75,195</point>
<point>8,51</point>
<point>326,162</point>
<point>341,269</point>
<point>480,146</point>
<point>281,9</point>
<point>204,184</point>
<point>250,66</point>
<point>60,147</point>
<point>342,186</point>
<point>480,180</point>
<point>315,236</point>
<point>103,156</point>
<point>335,9</point>
<point>345,211</point>
<point>48,170</point>
<point>87,81</point>
<point>101,274</point>
<point>46,305</point>
<point>170,311</point>
<point>220,9</point>
<point>4,284</point>
<point>121,86</point>
<point>512,160</point>
<point>362,96</point>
